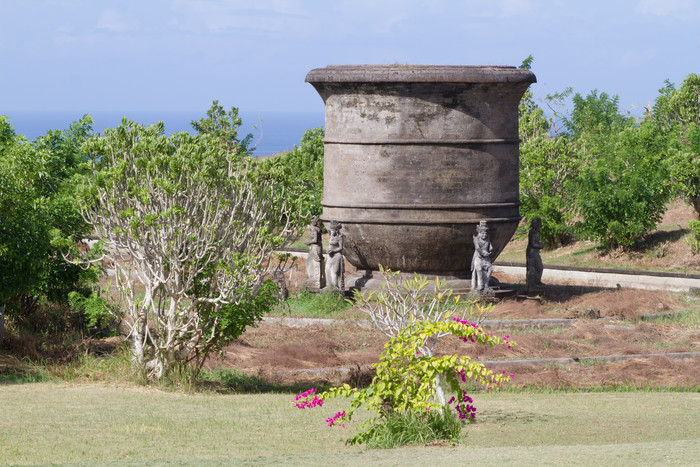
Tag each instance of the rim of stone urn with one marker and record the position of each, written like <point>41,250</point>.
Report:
<point>419,74</point>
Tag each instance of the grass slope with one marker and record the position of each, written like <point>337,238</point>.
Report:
<point>665,249</point>
<point>91,424</point>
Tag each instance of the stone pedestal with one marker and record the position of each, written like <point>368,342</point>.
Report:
<point>314,269</point>
<point>461,285</point>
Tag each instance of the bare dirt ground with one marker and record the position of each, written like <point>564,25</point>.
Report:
<point>344,351</point>
<point>605,323</point>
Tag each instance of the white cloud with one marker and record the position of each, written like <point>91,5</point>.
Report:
<point>65,29</point>
<point>516,7</point>
<point>683,9</point>
<point>113,20</point>
<point>64,34</point>
<point>381,17</point>
<point>638,58</point>
<point>216,16</point>
<point>284,6</point>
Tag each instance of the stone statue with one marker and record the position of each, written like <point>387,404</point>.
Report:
<point>335,268</point>
<point>481,261</point>
<point>314,259</point>
<point>533,260</point>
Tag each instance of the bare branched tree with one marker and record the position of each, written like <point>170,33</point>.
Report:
<point>404,300</point>
<point>190,227</point>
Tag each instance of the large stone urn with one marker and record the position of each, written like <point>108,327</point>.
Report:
<point>416,156</point>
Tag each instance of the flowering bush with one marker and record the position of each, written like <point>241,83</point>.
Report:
<point>406,378</point>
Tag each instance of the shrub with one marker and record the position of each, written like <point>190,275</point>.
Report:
<point>192,220</point>
<point>693,237</point>
<point>409,377</point>
<point>622,190</point>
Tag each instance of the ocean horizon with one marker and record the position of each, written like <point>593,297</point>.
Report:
<point>273,131</point>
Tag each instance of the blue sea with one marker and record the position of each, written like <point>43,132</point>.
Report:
<point>273,132</point>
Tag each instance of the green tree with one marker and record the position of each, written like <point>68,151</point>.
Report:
<point>24,240</point>
<point>622,191</point>
<point>547,163</point>
<point>677,113</point>
<point>306,165</point>
<point>41,221</point>
<point>595,116</point>
<point>223,127</point>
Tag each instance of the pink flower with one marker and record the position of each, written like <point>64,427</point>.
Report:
<point>339,416</point>
<point>305,403</point>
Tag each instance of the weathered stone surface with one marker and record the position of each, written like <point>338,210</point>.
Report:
<point>335,267</point>
<point>482,266</point>
<point>416,156</point>
<point>314,260</point>
<point>533,260</point>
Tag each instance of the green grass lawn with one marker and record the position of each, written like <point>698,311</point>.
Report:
<point>315,305</point>
<point>90,424</point>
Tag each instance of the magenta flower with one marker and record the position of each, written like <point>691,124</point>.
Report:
<point>305,403</point>
<point>334,419</point>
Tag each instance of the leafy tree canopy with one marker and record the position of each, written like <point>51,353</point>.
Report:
<point>40,217</point>
<point>677,113</point>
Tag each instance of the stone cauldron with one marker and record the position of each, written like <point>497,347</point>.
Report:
<point>416,156</point>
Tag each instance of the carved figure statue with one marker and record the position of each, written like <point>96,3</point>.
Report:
<point>335,268</point>
<point>533,260</point>
<point>481,261</point>
<point>314,259</point>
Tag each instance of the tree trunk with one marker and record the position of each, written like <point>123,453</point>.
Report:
<point>439,393</point>
<point>137,348</point>
<point>138,337</point>
<point>2,322</point>
<point>695,201</point>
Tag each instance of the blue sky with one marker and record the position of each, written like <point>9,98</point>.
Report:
<point>165,55</point>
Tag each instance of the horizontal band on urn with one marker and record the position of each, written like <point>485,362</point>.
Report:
<point>445,206</point>
<point>396,221</point>
<point>454,142</point>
